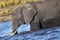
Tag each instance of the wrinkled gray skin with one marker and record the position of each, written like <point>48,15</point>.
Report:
<point>39,15</point>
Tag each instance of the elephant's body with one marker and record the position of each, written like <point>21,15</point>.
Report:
<point>39,15</point>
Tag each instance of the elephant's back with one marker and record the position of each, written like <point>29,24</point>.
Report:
<point>48,9</point>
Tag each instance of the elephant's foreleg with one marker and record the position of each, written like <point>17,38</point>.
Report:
<point>35,26</point>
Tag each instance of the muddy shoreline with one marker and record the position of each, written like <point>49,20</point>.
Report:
<point>5,18</point>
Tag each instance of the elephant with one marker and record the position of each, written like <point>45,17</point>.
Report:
<point>39,15</point>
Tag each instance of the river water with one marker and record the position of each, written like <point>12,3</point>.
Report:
<point>44,34</point>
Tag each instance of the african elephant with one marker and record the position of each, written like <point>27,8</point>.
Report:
<point>39,14</point>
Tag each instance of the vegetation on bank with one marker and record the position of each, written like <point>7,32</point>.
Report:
<point>8,3</point>
<point>8,6</point>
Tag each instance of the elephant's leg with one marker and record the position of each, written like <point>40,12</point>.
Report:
<point>35,26</point>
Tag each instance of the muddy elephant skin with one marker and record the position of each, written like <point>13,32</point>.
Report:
<point>40,15</point>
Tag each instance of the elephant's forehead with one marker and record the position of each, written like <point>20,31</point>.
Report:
<point>29,9</point>
<point>27,5</point>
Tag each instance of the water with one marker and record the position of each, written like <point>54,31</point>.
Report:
<point>6,28</point>
<point>45,34</point>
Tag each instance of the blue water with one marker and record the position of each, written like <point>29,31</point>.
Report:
<point>44,34</point>
<point>6,28</point>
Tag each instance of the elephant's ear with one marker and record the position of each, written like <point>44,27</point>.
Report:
<point>29,11</point>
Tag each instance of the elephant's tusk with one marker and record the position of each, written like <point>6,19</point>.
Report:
<point>10,34</point>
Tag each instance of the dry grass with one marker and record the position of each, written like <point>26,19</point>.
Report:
<point>8,6</point>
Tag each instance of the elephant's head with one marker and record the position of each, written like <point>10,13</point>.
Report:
<point>24,14</point>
